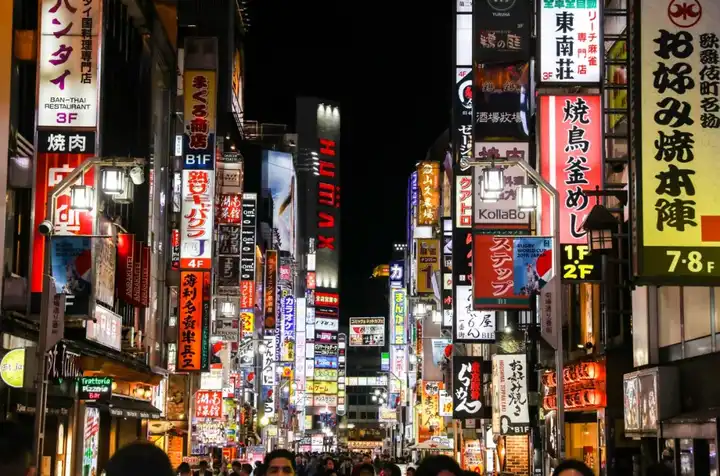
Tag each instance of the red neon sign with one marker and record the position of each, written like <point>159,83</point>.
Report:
<point>328,197</point>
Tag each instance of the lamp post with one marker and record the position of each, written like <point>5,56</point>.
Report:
<point>493,174</point>
<point>82,197</point>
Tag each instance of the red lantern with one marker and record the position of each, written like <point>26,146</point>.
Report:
<point>251,377</point>
<point>448,350</point>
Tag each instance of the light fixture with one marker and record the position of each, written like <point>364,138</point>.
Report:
<point>527,197</point>
<point>600,225</point>
<point>126,196</point>
<point>294,385</point>
<point>377,392</point>
<point>227,308</point>
<point>508,330</point>
<point>486,195</point>
<point>286,389</point>
<point>139,392</point>
<point>112,180</point>
<point>82,198</point>
<point>493,179</point>
<point>148,393</point>
<point>374,398</point>
<point>265,420</point>
<point>385,396</point>
<point>262,348</point>
<point>114,386</point>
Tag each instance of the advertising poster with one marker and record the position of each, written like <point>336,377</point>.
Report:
<point>467,387</point>
<point>571,159</point>
<point>678,204</point>
<point>105,255</point>
<point>279,176</point>
<point>91,441</point>
<point>493,274</point>
<point>501,100</point>
<point>532,265</point>
<point>72,269</point>
<point>367,331</point>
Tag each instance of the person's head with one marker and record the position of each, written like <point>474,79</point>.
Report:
<point>329,464</point>
<point>280,463</point>
<point>390,469</point>
<point>366,469</point>
<point>659,469</point>
<point>184,469</point>
<point>367,459</point>
<point>410,471</point>
<point>203,465</point>
<point>572,467</point>
<point>139,459</point>
<point>439,465</point>
<point>246,468</point>
<point>236,466</point>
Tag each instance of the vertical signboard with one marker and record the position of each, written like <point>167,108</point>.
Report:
<point>467,387</point>
<point>493,274</point>
<point>428,264</point>
<point>509,376</point>
<point>398,316</point>
<point>571,46</point>
<point>193,354</point>
<point>571,159</point>
<point>69,63</point>
<point>327,204</point>
<point>678,205</point>
<point>271,276</point>
<point>501,30</point>
<point>198,175</point>
<point>247,251</point>
<point>429,190</point>
<point>446,276</point>
<point>501,101</point>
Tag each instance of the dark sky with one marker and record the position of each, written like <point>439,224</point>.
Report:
<point>389,65</point>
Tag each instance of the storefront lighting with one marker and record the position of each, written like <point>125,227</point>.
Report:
<point>374,398</point>
<point>227,308</point>
<point>486,195</point>
<point>112,180</point>
<point>262,348</point>
<point>385,395</point>
<point>82,198</point>
<point>265,420</point>
<point>377,392</point>
<point>527,197</point>
<point>493,179</point>
<point>600,225</point>
<point>286,389</point>
<point>139,392</point>
<point>114,386</point>
<point>148,393</point>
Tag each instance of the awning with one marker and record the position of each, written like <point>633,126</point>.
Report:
<point>699,424</point>
<point>24,402</point>
<point>129,408</point>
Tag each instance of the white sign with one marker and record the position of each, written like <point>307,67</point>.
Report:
<point>300,356</point>
<point>68,63</point>
<point>367,331</point>
<point>510,378</point>
<point>446,403</point>
<point>471,325</point>
<point>309,368</point>
<point>196,227</point>
<point>324,400</point>
<point>570,34</point>
<point>545,309</point>
<point>105,328</point>
<point>326,324</point>
<point>268,373</point>
<point>463,201</point>
<point>502,212</point>
<point>398,360</point>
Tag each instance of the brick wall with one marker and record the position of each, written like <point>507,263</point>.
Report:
<point>517,458</point>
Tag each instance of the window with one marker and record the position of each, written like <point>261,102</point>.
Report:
<point>352,415</point>
<point>353,400</point>
<point>363,415</point>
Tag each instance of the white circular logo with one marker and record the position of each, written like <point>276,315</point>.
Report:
<point>501,5</point>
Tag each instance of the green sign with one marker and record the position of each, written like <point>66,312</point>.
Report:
<point>12,368</point>
<point>95,388</point>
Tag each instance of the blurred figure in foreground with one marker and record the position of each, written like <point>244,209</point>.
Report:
<point>572,467</point>
<point>439,465</point>
<point>184,470</point>
<point>15,450</point>
<point>139,459</point>
<point>659,469</point>
<point>410,471</point>
<point>280,463</point>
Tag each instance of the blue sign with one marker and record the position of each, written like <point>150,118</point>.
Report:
<point>326,362</point>
<point>532,264</point>
<point>397,274</point>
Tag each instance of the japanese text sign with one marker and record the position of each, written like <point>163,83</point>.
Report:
<point>287,331</point>
<point>196,227</point>
<point>193,322</point>
<point>571,48</point>
<point>571,159</point>
<point>429,187</point>
<point>428,263</point>
<point>493,280</point>
<point>398,314</point>
<point>370,331</point>
<point>467,387</point>
<point>68,63</point>
<point>208,404</point>
<point>247,251</point>
<point>471,325</point>
<point>463,201</point>
<point>397,274</point>
<point>509,375</point>
<point>462,117</point>
<point>678,209</point>
<point>200,116</point>
<point>271,297</point>
<point>229,208</point>
<point>502,31</point>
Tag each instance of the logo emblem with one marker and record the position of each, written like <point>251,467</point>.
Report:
<point>465,93</point>
<point>501,5</point>
<point>684,13</point>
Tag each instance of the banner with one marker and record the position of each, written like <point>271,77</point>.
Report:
<point>571,159</point>
<point>509,377</point>
<point>462,118</point>
<point>678,204</point>
<point>193,352</point>
<point>532,264</point>
<point>501,100</point>
<point>247,251</point>
<point>472,326</point>
<point>467,387</point>
<point>429,190</point>
<point>493,274</point>
<point>271,271</point>
<point>105,257</point>
<point>398,314</point>
<point>72,269</point>
<point>368,331</point>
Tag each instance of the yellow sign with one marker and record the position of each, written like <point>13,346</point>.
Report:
<point>617,98</point>
<point>322,388</point>
<point>12,368</point>
<point>678,211</point>
<point>248,323</point>
<point>326,375</point>
<point>428,263</point>
<point>428,193</point>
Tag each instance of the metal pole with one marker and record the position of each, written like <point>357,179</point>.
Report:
<point>557,304</point>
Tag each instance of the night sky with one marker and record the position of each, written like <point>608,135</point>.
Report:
<point>389,64</point>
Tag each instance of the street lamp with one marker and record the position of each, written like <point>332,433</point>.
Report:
<point>487,195</point>
<point>112,180</point>
<point>527,197</point>
<point>377,392</point>
<point>600,226</point>
<point>82,198</point>
<point>494,181</point>
<point>374,398</point>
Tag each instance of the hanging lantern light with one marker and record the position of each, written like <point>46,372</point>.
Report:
<point>127,195</point>
<point>112,180</point>
<point>527,197</point>
<point>600,226</point>
<point>486,195</point>
<point>82,198</point>
<point>493,179</point>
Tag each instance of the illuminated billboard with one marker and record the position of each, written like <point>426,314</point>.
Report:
<point>278,174</point>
